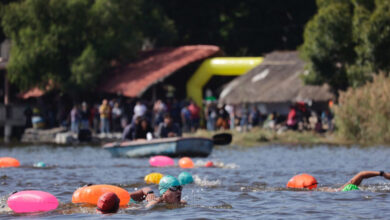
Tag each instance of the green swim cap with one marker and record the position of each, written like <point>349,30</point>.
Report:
<point>185,178</point>
<point>350,187</point>
<point>166,182</point>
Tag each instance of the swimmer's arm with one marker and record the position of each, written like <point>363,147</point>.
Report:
<point>358,178</point>
<point>142,194</point>
<point>386,175</point>
<point>153,202</point>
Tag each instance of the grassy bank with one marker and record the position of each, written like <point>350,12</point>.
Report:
<point>259,136</point>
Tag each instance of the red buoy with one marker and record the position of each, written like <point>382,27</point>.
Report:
<point>209,164</point>
<point>302,181</point>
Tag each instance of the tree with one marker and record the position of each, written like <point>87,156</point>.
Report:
<point>70,43</point>
<point>328,44</point>
<point>243,28</point>
<point>346,42</point>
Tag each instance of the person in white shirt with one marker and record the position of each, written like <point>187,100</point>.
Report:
<point>139,109</point>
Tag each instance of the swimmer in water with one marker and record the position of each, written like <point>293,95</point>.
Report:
<point>108,203</point>
<point>170,192</point>
<point>353,184</point>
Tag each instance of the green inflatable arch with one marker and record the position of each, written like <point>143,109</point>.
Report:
<point>221,66</point>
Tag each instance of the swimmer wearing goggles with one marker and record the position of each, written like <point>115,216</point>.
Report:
<point>170,193</point>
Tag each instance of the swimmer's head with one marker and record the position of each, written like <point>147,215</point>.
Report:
<point>166,182</point>
<point>185,178</point>
<point>108,203</point>
<point>350,187</point>
<point>170,189</point>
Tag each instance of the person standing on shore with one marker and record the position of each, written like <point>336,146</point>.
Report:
<point>195,116</point>
<point>74,119</point>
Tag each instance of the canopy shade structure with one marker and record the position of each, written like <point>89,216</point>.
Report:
<point>134,79</point>
<point>224,66</point>
<point>277,79</point>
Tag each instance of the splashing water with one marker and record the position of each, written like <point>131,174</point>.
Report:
<point>205,182</point>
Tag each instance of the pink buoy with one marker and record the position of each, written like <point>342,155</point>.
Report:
<point>32,201</point>
<point>161,161</point>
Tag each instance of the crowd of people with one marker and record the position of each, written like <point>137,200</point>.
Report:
<point>137,119</point>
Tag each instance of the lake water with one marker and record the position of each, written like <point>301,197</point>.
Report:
<point>249,182</point>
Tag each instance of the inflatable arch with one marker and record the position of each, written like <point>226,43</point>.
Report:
<point>221,66</point>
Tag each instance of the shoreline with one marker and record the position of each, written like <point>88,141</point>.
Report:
<point>254,137</point>
<point>261,136</point>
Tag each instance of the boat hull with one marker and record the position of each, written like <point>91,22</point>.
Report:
<point>173,147</point>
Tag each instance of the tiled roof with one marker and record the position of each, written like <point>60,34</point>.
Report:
<point>133,79</point>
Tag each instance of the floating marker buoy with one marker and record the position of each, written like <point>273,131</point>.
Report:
<point>161,161</point>
<point>153,178</point>
<point>186,162</point>
<point>9,162</point>
<point>32,201</point>
<point>91,194</point>
<point>209,164</point>
<point>302,181</point>
<point>185,178</point>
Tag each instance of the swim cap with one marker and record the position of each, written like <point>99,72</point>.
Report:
<point>350,187</point>
<point>166,182</point>
<point>40,164</point>
<point>108,203</point>
<point>185,178</point>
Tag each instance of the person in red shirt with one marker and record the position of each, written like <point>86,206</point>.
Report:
<point>292,121</point>
<point>195,115</point>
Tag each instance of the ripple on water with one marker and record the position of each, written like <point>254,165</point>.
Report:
<point>245,182</point>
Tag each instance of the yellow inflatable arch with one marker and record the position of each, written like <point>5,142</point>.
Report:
<point>222,66</point>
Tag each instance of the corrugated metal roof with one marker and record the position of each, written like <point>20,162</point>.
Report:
<point>135,78</point>
<point>276,79</point>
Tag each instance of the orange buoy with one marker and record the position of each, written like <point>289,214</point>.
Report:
<point>186,162</point>
<point>9,162</point>
<point>302,181</point>
<point>91,194</point>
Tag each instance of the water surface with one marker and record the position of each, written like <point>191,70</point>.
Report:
<point>249,182</point>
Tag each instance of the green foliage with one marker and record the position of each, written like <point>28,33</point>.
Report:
<point>240,28</point>
<point>363,114</point>
<point>347,41</point>
<point>85,67</point>
<point>328,45</point>
<point>70,43</point>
